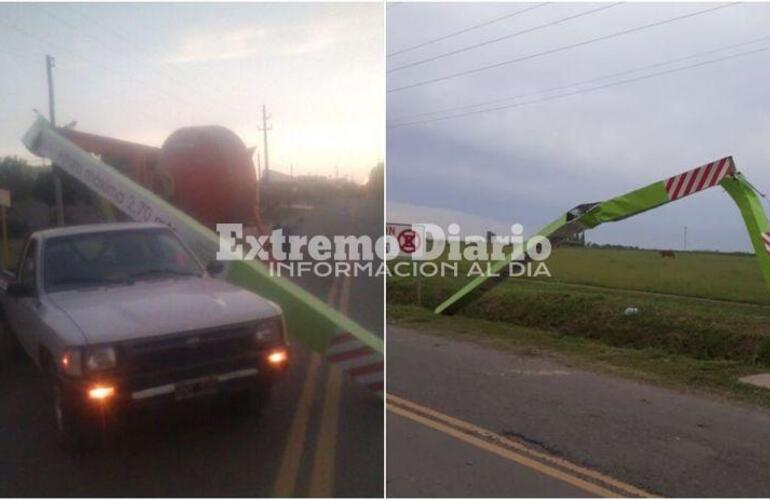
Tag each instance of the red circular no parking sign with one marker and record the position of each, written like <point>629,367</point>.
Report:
<point>408,241</point>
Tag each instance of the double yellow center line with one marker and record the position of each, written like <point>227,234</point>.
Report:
<point>324,457</point>
<point>321,483</point>
<point>322,475</point>
<point>587,480</point>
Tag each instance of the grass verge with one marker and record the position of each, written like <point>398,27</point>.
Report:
<point>687,326</point>
<point>716,377</point>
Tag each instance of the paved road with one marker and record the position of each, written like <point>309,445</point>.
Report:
<point>425,462</point>
<point>614,433</point>
<point>321,434</point>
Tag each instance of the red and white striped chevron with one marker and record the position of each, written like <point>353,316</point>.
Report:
<point>766,241</point>
<point>358,360</point>
<point>698,179</point>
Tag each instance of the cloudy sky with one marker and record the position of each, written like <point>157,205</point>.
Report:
<point>139,71</point>
<point>530,162</point>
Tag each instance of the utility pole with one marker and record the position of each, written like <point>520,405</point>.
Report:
<point>49,64</point>
<point>685,237</point>
<point>264,130</point>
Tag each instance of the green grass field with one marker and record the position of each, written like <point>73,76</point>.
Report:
<point>693,274</point>
<point>710,275</point>
<point>702,305</point>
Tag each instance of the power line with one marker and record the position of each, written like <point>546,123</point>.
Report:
<point>45,43</point>
<point>125,41</point>
<point>18,55</point>
<point>147,82</point>
<point>584,91</point>
<point>560,49</point>
<point>465,30</point>
<point>127,75</point>
<point>42,41</point>
<point>128,43</point>
<point>87,60</point>
<point>590,80</point>
<point>106,48</point>
<point>173,74</point>
<point>504,37</point>
<point>28,34</point>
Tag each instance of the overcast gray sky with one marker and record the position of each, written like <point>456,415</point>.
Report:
<point>139,71</point>
<point>530,163</point>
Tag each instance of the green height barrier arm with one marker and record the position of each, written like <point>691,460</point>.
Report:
<point>721,172</point>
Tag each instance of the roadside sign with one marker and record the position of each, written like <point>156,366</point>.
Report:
<point>410,239</point>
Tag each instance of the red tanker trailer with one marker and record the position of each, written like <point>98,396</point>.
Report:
<point>205,171</point>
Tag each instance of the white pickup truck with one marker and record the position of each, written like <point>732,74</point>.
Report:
<point>119,315</point>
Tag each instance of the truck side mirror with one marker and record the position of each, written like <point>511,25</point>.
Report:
<point>215,267</point>
<point>19,290</point>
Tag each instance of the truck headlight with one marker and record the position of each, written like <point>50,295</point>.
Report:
<point>101,358</point>
<point>269,331</point>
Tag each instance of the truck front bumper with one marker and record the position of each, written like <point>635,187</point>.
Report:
<point>233,380</point>
<point>248,372</point>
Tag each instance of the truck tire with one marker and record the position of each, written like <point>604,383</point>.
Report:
<point>74,432</point>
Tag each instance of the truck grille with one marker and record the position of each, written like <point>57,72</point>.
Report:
<point>166,358</point>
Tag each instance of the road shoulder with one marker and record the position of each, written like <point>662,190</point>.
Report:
<point>717,379</point>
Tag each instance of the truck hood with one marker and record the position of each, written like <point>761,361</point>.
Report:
<point>158,307</point>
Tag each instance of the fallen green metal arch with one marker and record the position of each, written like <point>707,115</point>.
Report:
<point>587,216</point>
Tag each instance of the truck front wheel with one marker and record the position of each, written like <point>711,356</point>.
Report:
<point>74,432</point>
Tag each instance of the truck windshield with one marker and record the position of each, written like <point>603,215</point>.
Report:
<point>114,257</point>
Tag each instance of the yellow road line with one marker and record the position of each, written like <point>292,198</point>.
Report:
<point>322,475</point>
<point>286,478</point>
<point>503,452</point>
<point>625,488</point>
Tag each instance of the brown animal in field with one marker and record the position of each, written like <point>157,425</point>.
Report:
<point>667,254</point>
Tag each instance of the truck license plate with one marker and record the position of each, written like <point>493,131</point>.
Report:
<point>195,388</point>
